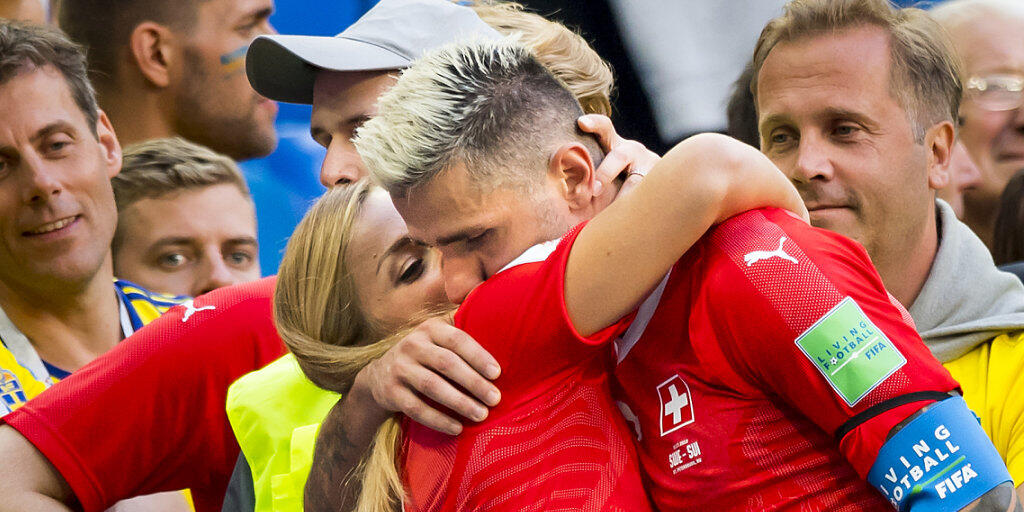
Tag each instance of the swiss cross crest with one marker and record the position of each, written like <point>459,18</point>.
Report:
<point>676,404</point>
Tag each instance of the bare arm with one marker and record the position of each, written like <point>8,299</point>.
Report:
<point>27,479</point>
<point>703,180</point>
<point>1003,499</point>
<point>344,437</point>
<point>425,363</point>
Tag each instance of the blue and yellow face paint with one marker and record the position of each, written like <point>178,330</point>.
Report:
<point>233,61</point>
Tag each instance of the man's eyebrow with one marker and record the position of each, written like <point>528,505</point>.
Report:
<point>842,112</point>
<point>257,15</point>
<point>243,240</point>
<point>55,126</point>
<point>174,240</point>
<point>396,246</point>
<point>458,236</point>
<point>773,120</point>
<point>356,120</point>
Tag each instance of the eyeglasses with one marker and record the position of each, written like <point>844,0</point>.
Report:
<point>996,92</point>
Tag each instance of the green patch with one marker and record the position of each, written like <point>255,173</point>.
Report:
<point>852,354</point>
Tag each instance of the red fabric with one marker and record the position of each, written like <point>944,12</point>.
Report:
<point>556,440</point>
<point>763,416</point>
<point>149,415</point>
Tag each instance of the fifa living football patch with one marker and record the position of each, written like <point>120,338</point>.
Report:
<point>852,354</point>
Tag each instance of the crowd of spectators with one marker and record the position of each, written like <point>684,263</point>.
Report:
<point>145,365</point>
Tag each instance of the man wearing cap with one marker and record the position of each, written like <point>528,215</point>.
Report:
<point>183,364</point>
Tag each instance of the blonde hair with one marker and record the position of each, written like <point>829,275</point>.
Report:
<point>564,52</point>
<point>319,319</point>
<point>925,72</point>
<point>488,104</point>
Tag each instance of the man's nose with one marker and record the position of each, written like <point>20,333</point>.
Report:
<point>812,161</point>
<point>43,183</point>
<point>461,275</point>
<point>215,274</point>
<point>341,164</point>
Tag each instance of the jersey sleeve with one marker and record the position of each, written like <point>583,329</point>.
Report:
<point>149,415</point>
<point>519,316</point>
<point>801,315</point>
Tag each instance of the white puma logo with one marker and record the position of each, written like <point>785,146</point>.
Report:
<point>755,256</point>
<point>190,308</point>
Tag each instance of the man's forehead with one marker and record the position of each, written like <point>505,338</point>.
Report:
<point>30,93</point>
<point>855,60</point>
<point>996,45</point>
<point>231,11</point>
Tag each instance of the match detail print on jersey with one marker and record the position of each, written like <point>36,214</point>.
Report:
<point>851,353</point>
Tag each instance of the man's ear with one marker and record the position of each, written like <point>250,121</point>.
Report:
<point>152,52</point>
<point>573,170</point>
<point>939,142</point>
<point>109,144</point>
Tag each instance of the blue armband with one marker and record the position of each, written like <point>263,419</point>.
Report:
<point>942,460</point>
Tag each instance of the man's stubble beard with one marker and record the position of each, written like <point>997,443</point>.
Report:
<point>201,117</point>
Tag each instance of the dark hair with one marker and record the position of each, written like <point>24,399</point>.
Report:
<point>742,111</point>
<point>1008,245</point>
<point>104,27</point>
<point>26,47</point>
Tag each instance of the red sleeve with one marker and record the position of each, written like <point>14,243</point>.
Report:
<point>149,415</point>
<point>813,326</point>
<point>519,316</point>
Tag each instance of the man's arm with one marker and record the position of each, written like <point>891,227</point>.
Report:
<point>429,362</point>
<point>1002,498</point>
<point>27,480</point>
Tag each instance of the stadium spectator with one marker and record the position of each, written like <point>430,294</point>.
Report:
<point>185,222</point>
<point>989,37</point>
<point>31,11</point>
<point>483,188</point>
<point>867,160</point>
<point>61,306</point>
<point>742,114</point>
<point>1009,235</point>
<point>240,337</point>
<point>166,68</point>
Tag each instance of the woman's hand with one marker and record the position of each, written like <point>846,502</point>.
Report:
<point>621,155</point>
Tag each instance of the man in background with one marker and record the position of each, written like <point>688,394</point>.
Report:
<point>988,35</point>
<point>59,304</point>
<point>867,161</point>
<point>186,223</point>
<point>168,67</point>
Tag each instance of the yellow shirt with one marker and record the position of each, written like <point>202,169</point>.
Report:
<point>992,379</point>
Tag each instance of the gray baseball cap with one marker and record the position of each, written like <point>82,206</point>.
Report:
<point>389,36</point>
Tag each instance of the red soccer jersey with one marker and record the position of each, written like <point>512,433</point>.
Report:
<point>556,440</point>
<point>149,415</point>
<point>764,341</point>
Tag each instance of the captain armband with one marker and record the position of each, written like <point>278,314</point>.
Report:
<point>941,461</point>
